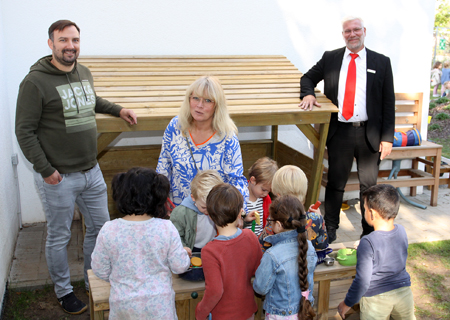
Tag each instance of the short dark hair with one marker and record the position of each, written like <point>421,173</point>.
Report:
<point>60,25</point>
<point>224,204</point>
<point>384,199</point>
<point>437,64</point>
<point>140,191</point>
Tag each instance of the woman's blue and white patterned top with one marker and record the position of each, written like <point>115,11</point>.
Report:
<point>176,163</point>
<point>138,258</point>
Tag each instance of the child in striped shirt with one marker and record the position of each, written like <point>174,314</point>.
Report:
<point>259,185</point>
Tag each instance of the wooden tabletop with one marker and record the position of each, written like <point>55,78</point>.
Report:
<point>260,90</point>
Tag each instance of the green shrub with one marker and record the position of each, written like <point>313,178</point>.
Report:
<point>442,116</point>
<point>434,126</point>
<point>447,107</point>
<point>432,105</point>
<point>442,100</point>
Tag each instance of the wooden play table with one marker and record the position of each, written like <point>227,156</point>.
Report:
<point>260,91</point>
<point>188,294</point>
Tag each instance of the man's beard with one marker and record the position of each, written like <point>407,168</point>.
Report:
<point>64,61</point>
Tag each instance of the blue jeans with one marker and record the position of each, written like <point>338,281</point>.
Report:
<point>88,190</point>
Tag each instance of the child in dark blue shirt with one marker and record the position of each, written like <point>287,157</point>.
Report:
<point>382,284</point>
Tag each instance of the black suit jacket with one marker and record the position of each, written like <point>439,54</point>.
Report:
<point>380,97</point>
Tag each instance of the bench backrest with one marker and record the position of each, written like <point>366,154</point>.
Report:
<point>408,111</point>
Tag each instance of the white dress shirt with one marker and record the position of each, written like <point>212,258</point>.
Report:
<point>359,111</point>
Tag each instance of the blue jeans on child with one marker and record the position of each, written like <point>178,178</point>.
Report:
<point>88,190</point>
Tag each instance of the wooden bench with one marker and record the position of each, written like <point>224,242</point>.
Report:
<point>260,91</point>
<point>187,295</point>
<point>186,301</point>
<point>408,115</point>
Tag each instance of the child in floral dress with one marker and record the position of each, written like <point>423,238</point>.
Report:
<point>138,253</point>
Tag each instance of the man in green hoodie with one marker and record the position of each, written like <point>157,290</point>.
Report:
<point>57,132</point>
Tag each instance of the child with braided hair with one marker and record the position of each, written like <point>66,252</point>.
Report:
<point>291,180</point>
<point>285,274</point>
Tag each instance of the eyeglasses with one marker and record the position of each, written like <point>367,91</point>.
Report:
<point>355,31</point>
<point>207,102</point>
<point>270,220</point>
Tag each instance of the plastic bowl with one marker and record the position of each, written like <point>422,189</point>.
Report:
<point>194,273</point>
<point>346,257</point>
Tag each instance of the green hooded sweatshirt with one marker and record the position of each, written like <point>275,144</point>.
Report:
<point>55,118</point>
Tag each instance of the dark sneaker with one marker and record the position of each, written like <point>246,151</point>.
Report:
<point>71,304</point>
<point>331,232</point>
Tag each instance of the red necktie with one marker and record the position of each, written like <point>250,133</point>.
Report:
<point>350,86</point>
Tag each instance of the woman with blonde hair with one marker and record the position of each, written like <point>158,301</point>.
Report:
<point>201,137</point>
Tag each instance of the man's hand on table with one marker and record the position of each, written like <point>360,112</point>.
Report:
<point>309,102</point>
<point>128,115</point>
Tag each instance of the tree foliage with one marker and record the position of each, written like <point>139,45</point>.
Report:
<point>442,18</point>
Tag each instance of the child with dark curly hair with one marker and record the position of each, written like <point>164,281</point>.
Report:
<point>139,252</point>
<point>285,275</point>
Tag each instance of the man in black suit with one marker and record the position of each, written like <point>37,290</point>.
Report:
<point>359,81</point>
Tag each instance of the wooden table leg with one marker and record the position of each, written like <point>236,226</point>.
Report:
<point>317,168</point>
<point>323,299</point>
<point>91,307</point>
<point>104,139</point>
<point>436,173</point>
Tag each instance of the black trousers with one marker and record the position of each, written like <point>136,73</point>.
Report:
<point>347,143</point>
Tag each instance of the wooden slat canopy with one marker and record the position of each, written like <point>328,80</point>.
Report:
<point>260,91</point>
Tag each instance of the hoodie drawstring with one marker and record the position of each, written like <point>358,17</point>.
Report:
<point>82,87</point>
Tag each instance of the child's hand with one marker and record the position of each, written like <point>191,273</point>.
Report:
<point>343,309</point>
<point>251,216</point>
<point>314,210</point>
<point>240,222</point>
<point>189,251</point>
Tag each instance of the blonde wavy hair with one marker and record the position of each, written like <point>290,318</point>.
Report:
<point>203,182</point>
<point>207,87</point>
<point>290,180</point>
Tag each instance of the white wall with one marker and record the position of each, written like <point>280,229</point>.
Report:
<point>9,221</point>
<point>299,29</point>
